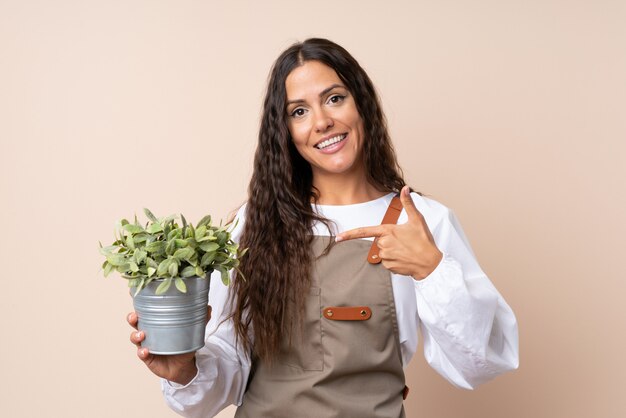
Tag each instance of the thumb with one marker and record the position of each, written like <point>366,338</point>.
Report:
<point>409,205</point>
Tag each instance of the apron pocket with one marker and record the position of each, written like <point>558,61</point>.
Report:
<point>305,352</point>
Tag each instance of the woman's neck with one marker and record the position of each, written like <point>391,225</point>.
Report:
<point>339,190</point>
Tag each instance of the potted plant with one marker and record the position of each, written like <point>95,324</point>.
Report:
<point>168,267</point>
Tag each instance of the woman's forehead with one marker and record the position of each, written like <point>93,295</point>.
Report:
<point>310,78</point>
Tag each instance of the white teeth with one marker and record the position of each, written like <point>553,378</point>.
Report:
<point>330,141</point>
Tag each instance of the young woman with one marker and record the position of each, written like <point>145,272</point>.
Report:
<point>344,265</point>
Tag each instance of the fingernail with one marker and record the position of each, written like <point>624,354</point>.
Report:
<point>138,334</point>
<point>405,190</point>
<point>338,238</point>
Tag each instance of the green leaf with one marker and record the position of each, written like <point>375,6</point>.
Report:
<point>133,266</point>
<point>209,246</point>
<point>200,272</point>
<point>163,267</point>
<point>162,288</point>
<point>220,258</point>
<point>183,253</point>
<point>116,259</point>
<point>180,285</point>
<point>188,271</point>
<point>124,222</point>
<point>156,247</point>
<point>140,286</point>
<point>123,268</point>
<point>207,238</point>
<point>204,221</point>
<point>173,269</point>
<point>130,242</point>
<point>169,219</point>
<point>200,232</point>
<point>232,225</point>
<point>207,259</point>
<point>140,256</point>
<point>154,228</point>
<point>105,251</point>
<point>151,263</point>
<point>239,273</point>
<point>151,271</point>
<point>184,221</point>
<point>150,215</point>
<point>140,237</point>
<point>108,269</point>
<point>190,254</point>
<point>171,247</point>
<point>225,276</point>
<point>181,243</point>
<point>193,260</point>
<point>133,229</point>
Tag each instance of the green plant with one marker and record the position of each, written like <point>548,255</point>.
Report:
<point>165,250</point>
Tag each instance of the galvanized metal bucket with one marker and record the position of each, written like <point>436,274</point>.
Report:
<point>173,322</point>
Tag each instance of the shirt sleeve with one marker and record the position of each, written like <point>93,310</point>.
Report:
<point>223,367</point>
<point>470,333</point>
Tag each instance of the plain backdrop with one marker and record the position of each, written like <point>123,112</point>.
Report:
<point>512,113</point>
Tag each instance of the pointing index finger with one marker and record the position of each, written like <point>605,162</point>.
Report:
<point>408,204</point>
<point>363,232</point>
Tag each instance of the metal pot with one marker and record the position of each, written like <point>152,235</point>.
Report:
<point>173,322</point>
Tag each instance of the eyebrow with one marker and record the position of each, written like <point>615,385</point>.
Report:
<point>323,92</point>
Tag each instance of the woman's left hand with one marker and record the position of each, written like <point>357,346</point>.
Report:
<point>408,249</point>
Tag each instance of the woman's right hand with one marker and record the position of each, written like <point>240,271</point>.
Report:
<point>179,368</point>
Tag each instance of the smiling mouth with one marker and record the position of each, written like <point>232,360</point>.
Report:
<point>331,141</point>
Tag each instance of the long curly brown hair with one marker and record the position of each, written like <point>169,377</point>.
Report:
<point>279,217</point>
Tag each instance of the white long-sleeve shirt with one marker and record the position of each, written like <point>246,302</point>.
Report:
<point>470,332</point>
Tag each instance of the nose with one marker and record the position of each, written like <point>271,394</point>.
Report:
<point>323,121</point>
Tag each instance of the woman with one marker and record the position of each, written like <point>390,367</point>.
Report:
<point>327,319</point>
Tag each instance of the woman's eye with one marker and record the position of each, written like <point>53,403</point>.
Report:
<point>298,112</point>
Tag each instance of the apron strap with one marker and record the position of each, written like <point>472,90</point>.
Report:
<point>391,217</point>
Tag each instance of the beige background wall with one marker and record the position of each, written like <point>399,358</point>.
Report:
<point>510,112</point>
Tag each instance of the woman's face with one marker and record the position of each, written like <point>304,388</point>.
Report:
<point>323,120</point>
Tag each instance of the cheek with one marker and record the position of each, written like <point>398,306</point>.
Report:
<point>299,133</point>
<point>357,124</point>
<point>350,116</point>
<point>299,142</point>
